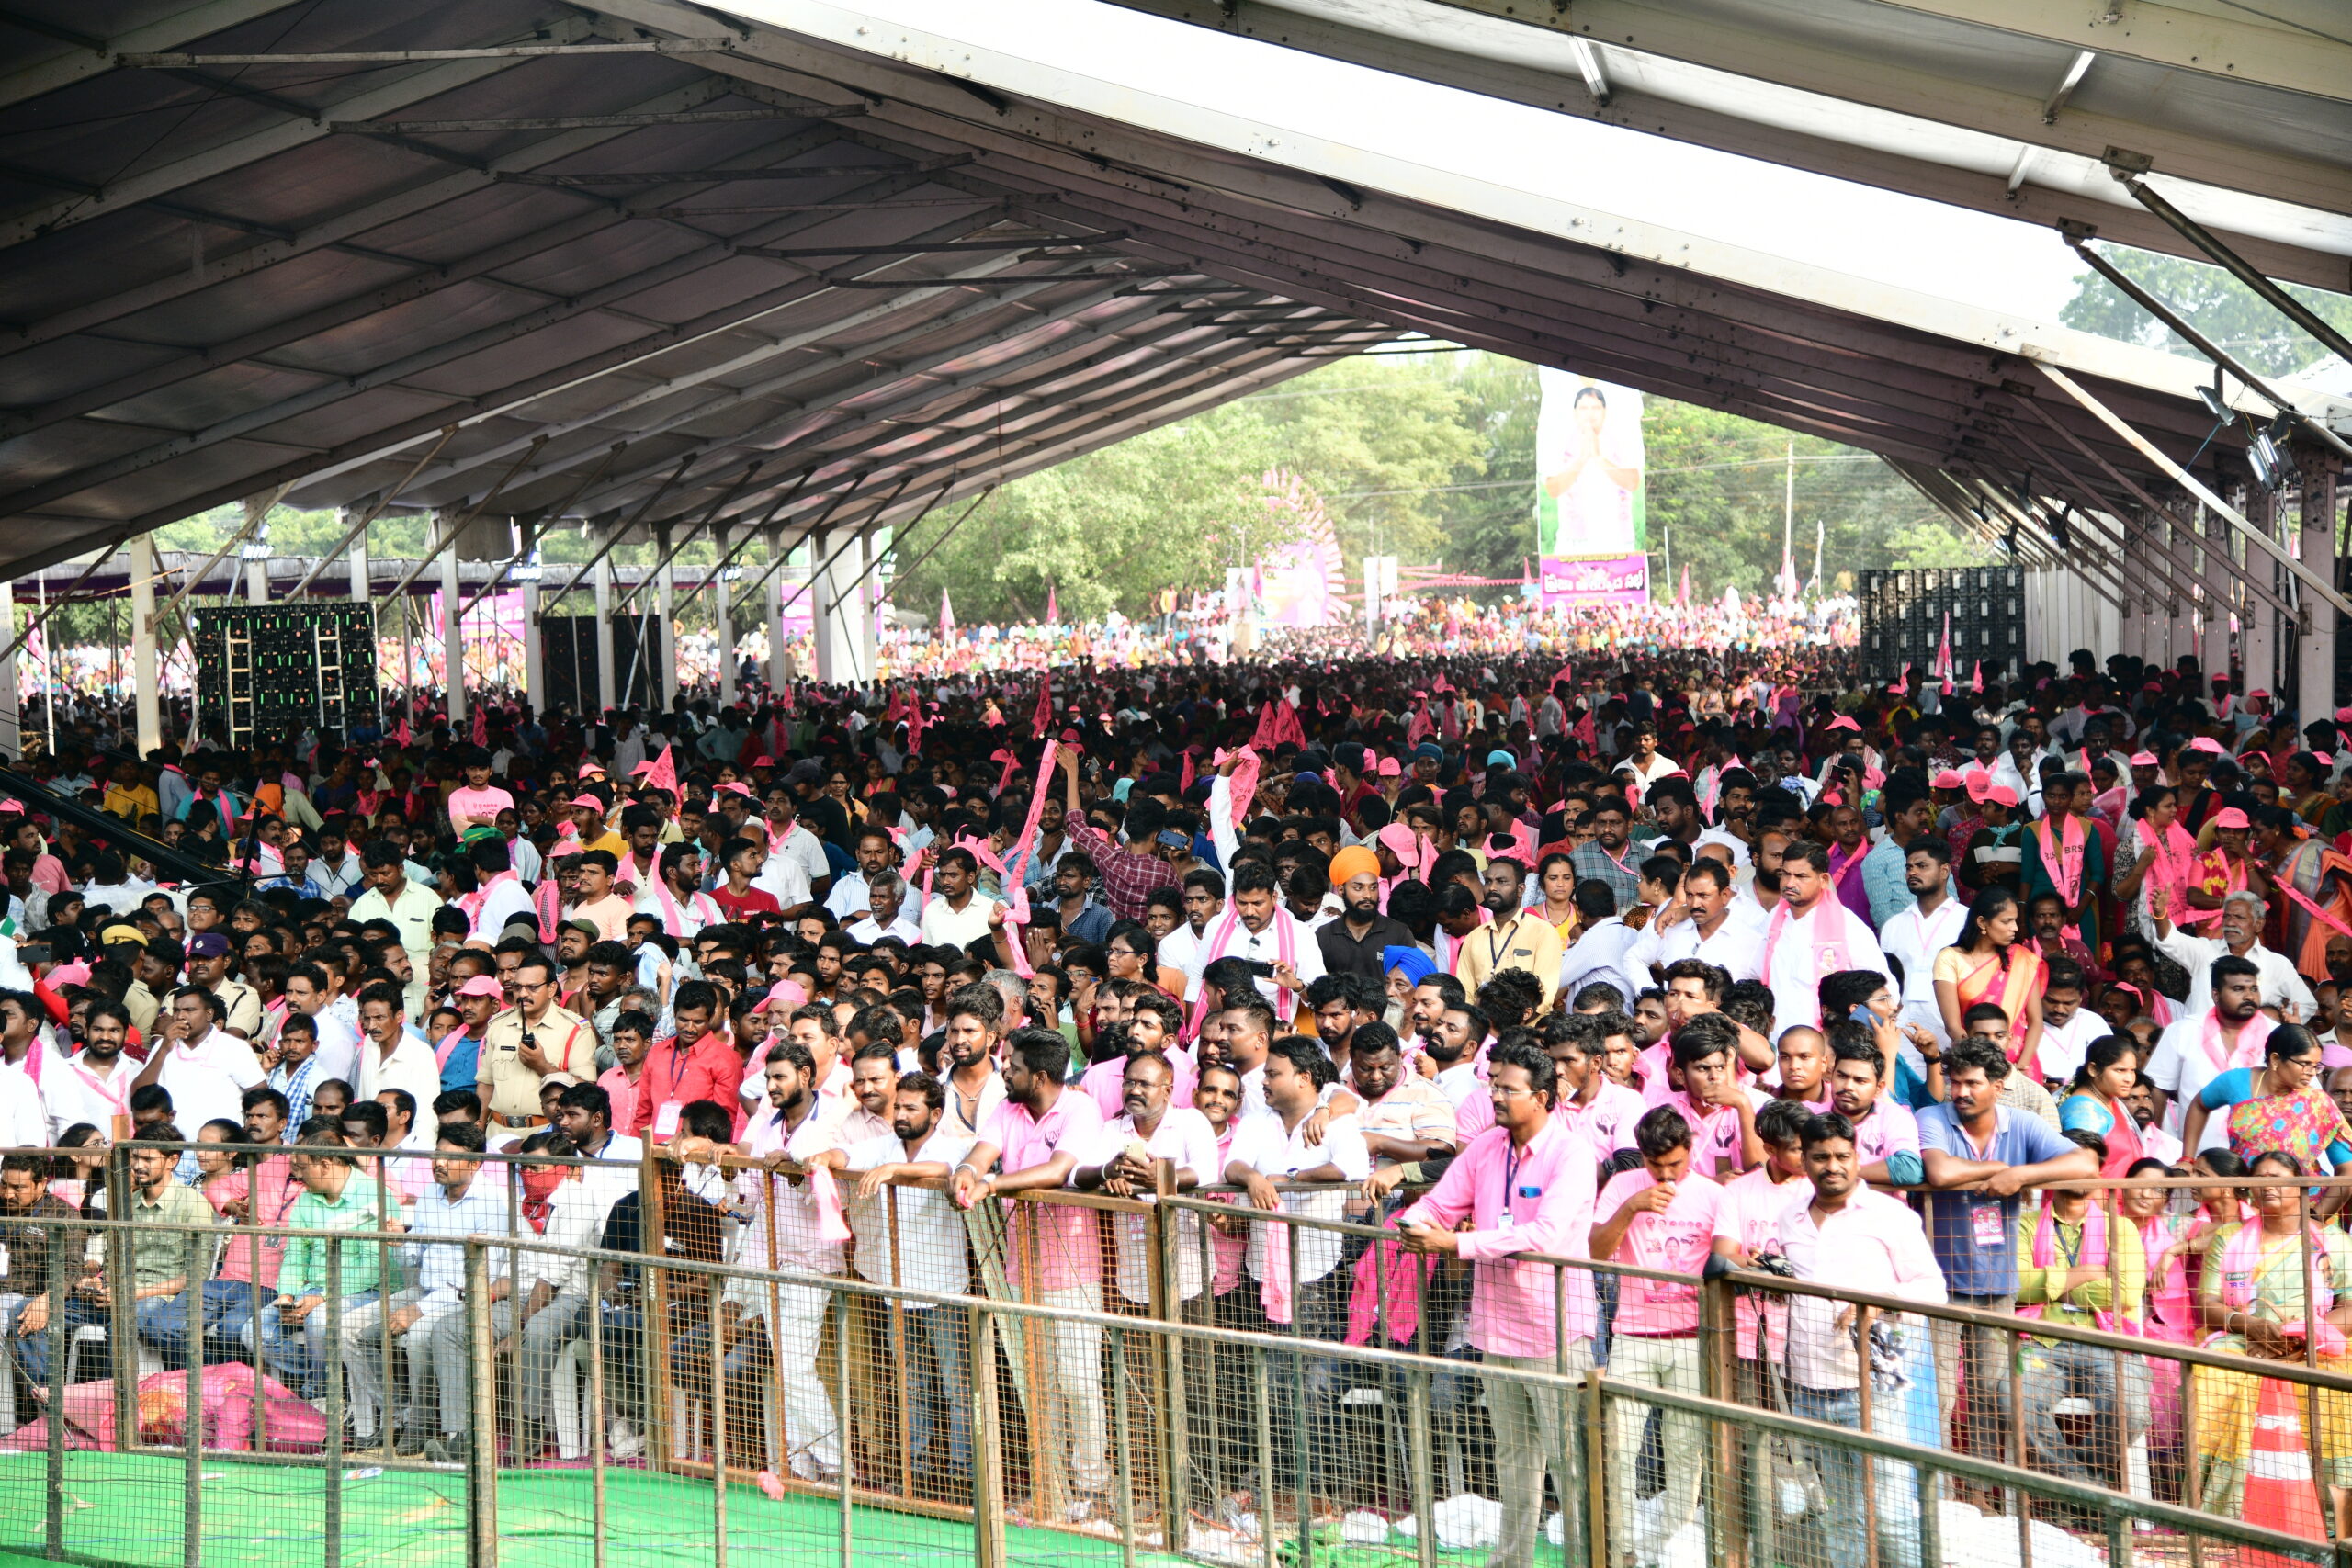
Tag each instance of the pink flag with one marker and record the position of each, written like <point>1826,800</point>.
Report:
<point>1186,782</point>
<point>1682,594</point>
<point>1943,654</point>
<point>402,734</point>
<point>1053,611</point>
<point>947,617</point>
<point>1976,676</point>
<point>482,725</point>
<point>663,774</point>
<point>1042,722</point>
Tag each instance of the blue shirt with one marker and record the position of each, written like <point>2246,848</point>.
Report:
<point>464,1065</point>
<point>1882,880</point>
<point>1975,1232</point>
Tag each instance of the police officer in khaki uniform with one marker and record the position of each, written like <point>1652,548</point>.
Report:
<point>527,1043</point>
<point>207,965</point>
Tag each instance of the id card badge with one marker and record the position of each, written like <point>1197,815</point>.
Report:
<point>1989,1225</point>
<point>1507,1220</point>
<point>666,1120</point>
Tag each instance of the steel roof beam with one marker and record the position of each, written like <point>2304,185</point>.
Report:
<point>919,398</point>
<point>1631,108</point>
<point>240,149</point>
<point>59,71</point>
<point>2197,37</point>
<point>829,361</point>
<point>333,389</point>
<point>338,228</point>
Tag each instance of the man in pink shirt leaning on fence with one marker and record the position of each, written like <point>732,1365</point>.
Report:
<point>1526,1186</point>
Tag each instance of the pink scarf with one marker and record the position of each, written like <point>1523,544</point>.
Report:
<point>1830,954</point>
<point>1285,952</point>
<point>2249,1046</point>
<point>2064,862</point>
<point>2093,1256</point>
<point>471,903</point>
<point>2242,1259</point>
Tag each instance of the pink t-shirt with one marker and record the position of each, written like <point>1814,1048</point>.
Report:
<point>1105,1082</point>
<point>1676,1242</point>
<point>1888,1129</point>
<point>1715,1133</point>
<point>1750,1214</point>
<point>1606,1125</point>
<point>1059,1237</point>
<point>485,803</point>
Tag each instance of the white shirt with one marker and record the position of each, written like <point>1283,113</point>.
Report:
<point>696,911</point>
<point>1262,947</point>
<point>207,1081</point>
<point>1916,938</point>
<point>930,1229</point>
<point>1737,846</point>
<point>574,1219</point>
<point>339,1044</point>
<point>798,1243</point>
<point>1260,1141</point>
<point>1185,1139</point>
<point>944,925</point>
<point>1796,988</point>
<point>2280,983</point>
<point>410,1066</point>
<point>502,904</point>
<point>1602,954</point>
<point>798,851</point>
<point>1874,1245</point>
<point>849,896</point>
<point>2064,1045</point>
<point>1736,946</point>
<point>2180,1066</point>
<point>75,1093</point>
<point>24,1116</point>
<point>867,932</point>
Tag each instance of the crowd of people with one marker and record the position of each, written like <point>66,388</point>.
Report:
<point>1643,953</point>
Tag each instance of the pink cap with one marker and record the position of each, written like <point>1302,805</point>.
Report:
<point>589,801</point>
<point>2324,759</point>
<point>737,787</point>
<point>592,769</point>
<point>2230,817</point>
<point>2344,715</point>
<point>1949,779</point>
<point>640,770</point>
<point>74,974</point>
<point>1390,768</point>
<point>482,986</point>
<point>1399,840</point>
<point>2206,743</point>
<point>2145,759</point>
<point>1980,785</point>
<point>1844,722</point>
<point>2002,795</point>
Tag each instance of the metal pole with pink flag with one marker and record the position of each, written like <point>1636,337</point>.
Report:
<point>947,617</point>
<point>1053,609</point>
<point>1943,655</point>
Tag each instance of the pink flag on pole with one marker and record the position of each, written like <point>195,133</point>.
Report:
<point>1053,610</point>
<point>947,617</point>
<point>482,725</point>
<point>1943,654</point>
<point>1682,594</point>
<point>663,774</point>
<point>1976,676</point>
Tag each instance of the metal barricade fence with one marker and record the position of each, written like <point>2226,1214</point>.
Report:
<point>1129,1371</point>
<point>184,1493</point>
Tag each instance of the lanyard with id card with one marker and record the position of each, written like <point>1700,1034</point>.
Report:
<point>1989,1225</point>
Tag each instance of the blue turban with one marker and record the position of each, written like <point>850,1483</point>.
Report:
<point>1416,965</point>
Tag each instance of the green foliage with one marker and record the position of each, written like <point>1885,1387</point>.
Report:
<point>1426,457</point>
<point>2221,308</point>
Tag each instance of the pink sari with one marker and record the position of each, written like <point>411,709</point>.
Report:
<point>2008,984</point>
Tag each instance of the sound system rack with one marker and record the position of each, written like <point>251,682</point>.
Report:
<point>1904,612</point>
<point>269,671</point>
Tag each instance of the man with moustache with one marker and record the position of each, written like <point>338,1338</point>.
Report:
<point>1353,944</point>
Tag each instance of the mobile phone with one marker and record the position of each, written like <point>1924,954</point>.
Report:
<point>33,952</point>
<point>1263,970</point>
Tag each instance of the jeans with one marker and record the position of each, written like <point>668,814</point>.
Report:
<point>229,1306</point>
<point>1842,1481</point>
<point>1981,1355</point>
<point>155,1318</point>
<point>939,1386</point>
<point>2051,1374</point>
<point>294,1352</point>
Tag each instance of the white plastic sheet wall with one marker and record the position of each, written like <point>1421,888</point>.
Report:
<point>2062,613</point>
